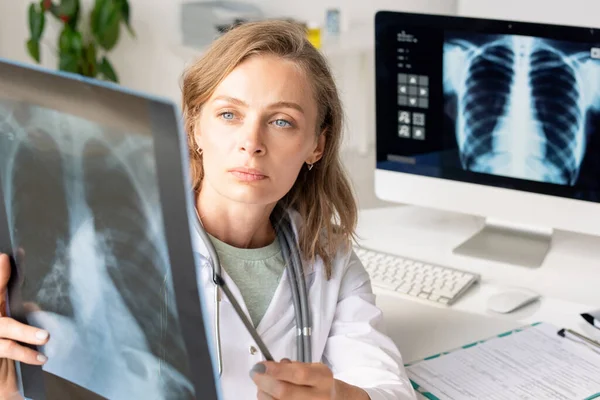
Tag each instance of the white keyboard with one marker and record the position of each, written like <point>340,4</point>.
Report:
<point>415,278</point>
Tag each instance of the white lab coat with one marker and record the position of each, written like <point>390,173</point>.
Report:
<point>346,329</point>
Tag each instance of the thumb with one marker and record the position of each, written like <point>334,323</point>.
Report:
<point>4,277</point>
<point>4,273</point>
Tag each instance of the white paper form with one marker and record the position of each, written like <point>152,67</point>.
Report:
<point>532,364</point>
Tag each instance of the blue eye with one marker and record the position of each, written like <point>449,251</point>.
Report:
<point>227,115</point>
<point>282,123</point>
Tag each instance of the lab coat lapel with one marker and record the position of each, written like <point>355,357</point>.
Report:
<point>280,313</point>
<point>200,248</point>
<point>235,291</point>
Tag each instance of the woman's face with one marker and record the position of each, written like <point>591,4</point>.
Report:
<point>257,130</point>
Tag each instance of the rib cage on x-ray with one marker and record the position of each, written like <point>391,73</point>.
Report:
<point>521,105</point>
<point>84,204</point>
<point>488,86</point>
<point>556,96</point>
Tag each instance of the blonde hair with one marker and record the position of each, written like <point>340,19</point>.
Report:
<point>323,195</point>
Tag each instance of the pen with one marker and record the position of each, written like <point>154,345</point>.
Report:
<point>593,318</point>
<point>576,337</point>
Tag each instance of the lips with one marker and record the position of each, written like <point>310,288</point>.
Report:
<point>248,174</point>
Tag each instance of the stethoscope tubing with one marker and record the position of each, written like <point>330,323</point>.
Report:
<point>297,286</point>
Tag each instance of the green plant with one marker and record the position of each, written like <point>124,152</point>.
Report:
<point>81,51</point>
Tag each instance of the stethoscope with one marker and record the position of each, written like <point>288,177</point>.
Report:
<point>294,269</point>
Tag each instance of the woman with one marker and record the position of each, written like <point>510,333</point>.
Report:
<point>264,125</point>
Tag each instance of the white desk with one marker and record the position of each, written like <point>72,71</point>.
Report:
<point>569,281</point>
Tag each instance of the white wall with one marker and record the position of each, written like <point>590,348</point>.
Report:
<point>354,12</point>
<point>153,62</point>
<point>565,12</point>
<point>146,63</point>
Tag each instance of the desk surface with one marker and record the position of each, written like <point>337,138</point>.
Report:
<point>569,281</point>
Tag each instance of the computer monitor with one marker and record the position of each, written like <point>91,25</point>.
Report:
<point>499,119</point>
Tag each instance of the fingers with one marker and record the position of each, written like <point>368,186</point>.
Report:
<point>293,380</point>
<point>264,396</point>
<point>4,273</point>
<point>14,330</point>
<point>277,389</point>
<point>298,373</point>
<point>4,277</point>
<point>14,351</point>
<point>30,307</point>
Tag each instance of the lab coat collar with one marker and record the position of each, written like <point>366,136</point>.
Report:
<point>282,296</point>
<point>198,245</point>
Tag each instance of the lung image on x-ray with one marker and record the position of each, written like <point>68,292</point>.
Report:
<point>82,202</point>
<point>520,106</point>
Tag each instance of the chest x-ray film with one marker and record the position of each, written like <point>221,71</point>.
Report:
<point>94,208</point>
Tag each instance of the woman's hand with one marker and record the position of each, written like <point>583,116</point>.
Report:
<point>11,332</point>
<point>288,380</point>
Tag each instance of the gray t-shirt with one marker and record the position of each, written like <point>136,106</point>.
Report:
<point>256,272</point>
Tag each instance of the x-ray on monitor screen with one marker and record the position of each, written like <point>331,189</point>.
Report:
<point>505,104</point>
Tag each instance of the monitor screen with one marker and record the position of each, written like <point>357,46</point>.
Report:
<point>501,103</point>
<point>94,207</point>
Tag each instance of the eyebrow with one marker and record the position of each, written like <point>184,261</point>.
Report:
<point>286,104</point>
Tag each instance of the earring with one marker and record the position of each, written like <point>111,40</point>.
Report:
<point>309,166</point>
<point>199,150</point>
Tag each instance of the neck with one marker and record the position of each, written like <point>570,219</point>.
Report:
<point>237,224</point>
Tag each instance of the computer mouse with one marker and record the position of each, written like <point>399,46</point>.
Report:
<point>510,300</point>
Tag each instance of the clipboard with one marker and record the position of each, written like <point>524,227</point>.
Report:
<point>530,363</point>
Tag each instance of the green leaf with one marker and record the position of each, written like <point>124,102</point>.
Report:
<point>70,41</point>
<point>86,69</point>
<point>107,70</point>
<point>54,10</point>
<point>33,47</point>
<point>108,36</point>
<point>90,53</point>
<point>125,14</point>
<point>75,17</point>
<point>95,16</point>
<point>89,60</point>
<point>37,21</point>
<point>106,12</point>
<point>69,63</point>
<point>68,8</point>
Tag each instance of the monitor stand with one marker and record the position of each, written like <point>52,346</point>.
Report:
<point>508,243</point>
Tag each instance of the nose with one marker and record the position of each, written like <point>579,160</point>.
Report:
<point>251,140</point>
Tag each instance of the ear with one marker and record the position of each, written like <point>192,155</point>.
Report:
<point>196,132</point>
<point>319,149</point>
<point>197,139</point>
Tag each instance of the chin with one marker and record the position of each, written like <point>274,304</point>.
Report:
<point>250,195</point>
